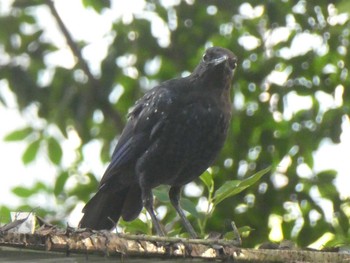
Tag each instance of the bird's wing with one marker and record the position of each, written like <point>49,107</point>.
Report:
<point>123,152</point>
<point>145,122</point>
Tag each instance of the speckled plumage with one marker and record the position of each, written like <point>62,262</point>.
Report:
<point>173,134</point>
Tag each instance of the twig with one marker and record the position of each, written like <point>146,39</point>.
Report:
<point>94,85</point>
<point>207,242</point>
<point>236,233</point>
<point>15,222</point>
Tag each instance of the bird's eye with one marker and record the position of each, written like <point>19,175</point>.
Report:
<point>205,58</point>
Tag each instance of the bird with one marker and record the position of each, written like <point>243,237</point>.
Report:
<point>173,134</point>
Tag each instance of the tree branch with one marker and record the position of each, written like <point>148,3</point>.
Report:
<point>105,106</point>
<point>109,246</point>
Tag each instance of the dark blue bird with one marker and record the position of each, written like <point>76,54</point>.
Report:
<point>173,134</point>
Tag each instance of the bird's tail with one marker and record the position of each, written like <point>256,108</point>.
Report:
<point>105,208</point>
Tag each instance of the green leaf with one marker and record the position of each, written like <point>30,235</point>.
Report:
<point>23,192</point>
<point>31,152</point>
<point>97,5</point>
<point>18,135</point>
<point>231,188</point>
<point>229,235</point>
<point>84,191</point>
<point>189,206</point>
<point>39,186</point>
<point>54,150</point>
<point>26,192</point>
<point>26,3</point>
<point>254,178</point>
<point>135,226</point>
<point>327,176</point>
<point>60,182</point>
<point>244,229</point>
<point>207,179</point>
<point>5,214</point>
<point>161,194</point>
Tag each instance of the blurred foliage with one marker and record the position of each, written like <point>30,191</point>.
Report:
<point>272,126</point>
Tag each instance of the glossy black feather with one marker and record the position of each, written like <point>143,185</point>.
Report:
<point>173,134</point>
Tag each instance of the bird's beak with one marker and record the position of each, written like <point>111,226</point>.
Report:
<point>231,62</point>
<point>219,60</point>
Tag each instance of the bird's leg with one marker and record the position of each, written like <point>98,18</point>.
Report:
<point>174,195</point>
<point>147,199</point>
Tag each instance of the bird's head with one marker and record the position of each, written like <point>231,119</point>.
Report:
<point>217,63</point>
<point>216,56</point>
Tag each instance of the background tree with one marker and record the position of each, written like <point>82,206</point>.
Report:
<point>290,52</point>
